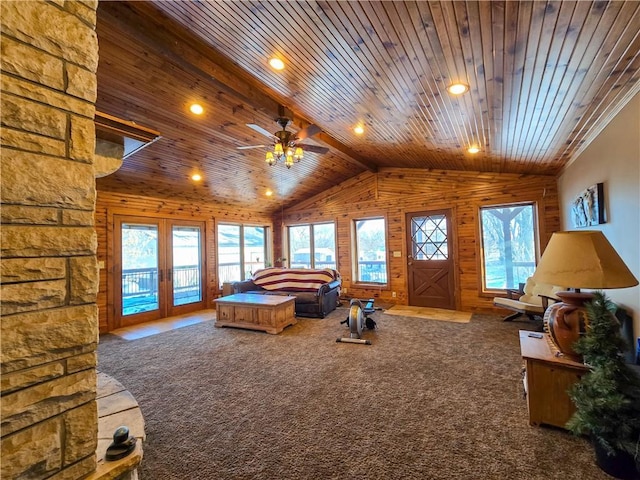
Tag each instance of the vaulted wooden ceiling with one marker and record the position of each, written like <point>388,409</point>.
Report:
<point>544,77</point>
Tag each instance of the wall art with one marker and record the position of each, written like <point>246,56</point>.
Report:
<point>588,207</point>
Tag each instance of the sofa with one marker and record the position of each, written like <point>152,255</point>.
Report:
<point>316,290</point>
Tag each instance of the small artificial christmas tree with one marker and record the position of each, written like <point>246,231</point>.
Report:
<point>607,398</point>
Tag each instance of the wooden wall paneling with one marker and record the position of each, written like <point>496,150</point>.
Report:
<point>406,190</point>
<point>211,253</point>
<point>101,226</point>
<point>109,204</point>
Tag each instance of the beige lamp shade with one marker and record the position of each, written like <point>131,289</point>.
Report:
<point>583,259</point>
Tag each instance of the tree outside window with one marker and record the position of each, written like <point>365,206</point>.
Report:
<point>508,245</point>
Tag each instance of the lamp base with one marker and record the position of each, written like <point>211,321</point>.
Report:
<point>566,321</point>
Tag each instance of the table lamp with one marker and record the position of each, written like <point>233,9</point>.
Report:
<point>579,259</point>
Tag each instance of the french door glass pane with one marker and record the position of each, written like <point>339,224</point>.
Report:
<point>300,246</point>
<point>187,270</point>
<point>508,245</point>
<point>229,261</point>
<point>371,250</point>
<point>139,268</point>
<point>324,245</point>
<point>254,249</point>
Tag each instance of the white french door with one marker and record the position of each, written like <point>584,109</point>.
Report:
<point>159,268</point>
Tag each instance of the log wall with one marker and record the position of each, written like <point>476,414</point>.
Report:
<point>110,204</point>
<point>390,192</point>
<point>395,192</point>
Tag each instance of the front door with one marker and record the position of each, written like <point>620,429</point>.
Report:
<point>159,269</point>
<point>430,265</point>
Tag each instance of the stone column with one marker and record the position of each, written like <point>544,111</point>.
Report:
<point>49,272</point>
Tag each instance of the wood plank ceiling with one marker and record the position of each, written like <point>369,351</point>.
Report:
<point>544,77</point>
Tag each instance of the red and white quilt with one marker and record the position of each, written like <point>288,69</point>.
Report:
<point>294,279</point>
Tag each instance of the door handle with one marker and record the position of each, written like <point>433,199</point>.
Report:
<point>161,272</point>
<point>168,274</point>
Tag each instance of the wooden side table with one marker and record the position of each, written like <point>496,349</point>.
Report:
<point>547,379</point>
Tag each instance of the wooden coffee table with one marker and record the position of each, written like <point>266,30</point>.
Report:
<point>270,313</point>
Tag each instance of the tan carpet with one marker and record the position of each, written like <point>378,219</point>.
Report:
<point>430,313</point>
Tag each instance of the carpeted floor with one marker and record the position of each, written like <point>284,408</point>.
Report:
<point>427,400</point>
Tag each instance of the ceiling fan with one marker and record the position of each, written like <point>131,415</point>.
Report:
<point>285,143</point>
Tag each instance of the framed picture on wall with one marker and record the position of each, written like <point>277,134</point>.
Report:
<point>588,207</point>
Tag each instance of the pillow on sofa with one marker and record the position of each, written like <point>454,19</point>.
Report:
<point>293,279</point>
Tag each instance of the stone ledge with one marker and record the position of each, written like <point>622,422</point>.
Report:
<point>116,407</point>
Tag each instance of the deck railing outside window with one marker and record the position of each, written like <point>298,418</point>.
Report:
<point>140,288</point>
<point>374,271</point>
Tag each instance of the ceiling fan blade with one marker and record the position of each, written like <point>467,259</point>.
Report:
<point>247,147</point>
<point>261,130</point>
<point>313,148</point>
<point>308,131</point>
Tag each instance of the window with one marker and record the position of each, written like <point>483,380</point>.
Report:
<point>508,245</point>
<point>429,238</point>
<point>242,250</point>
<point>312,246</point>
<point>371,250</point>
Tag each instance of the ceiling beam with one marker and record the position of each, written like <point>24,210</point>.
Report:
<point>179,46</point>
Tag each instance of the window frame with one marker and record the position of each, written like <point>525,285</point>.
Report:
<point>354,252</point>
<point>312,247</point>
<point>486,291</point>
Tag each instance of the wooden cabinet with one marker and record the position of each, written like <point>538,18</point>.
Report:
<point>547,378</point>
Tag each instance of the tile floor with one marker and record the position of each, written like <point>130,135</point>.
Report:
<point>147,329</point>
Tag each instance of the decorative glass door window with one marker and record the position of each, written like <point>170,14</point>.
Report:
<point>429,238</point>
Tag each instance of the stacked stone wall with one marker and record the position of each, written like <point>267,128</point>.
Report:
<point>49,272</point>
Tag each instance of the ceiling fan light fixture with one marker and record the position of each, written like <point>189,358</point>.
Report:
<point>458,88</point>
<point>276,63</point>
<point>290,156</point>
<point>269,158</point>
<point>288,162</point>
<point>285,143</point>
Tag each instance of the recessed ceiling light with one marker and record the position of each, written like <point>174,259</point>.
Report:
<point>276,63</point>
<point>457,88</point>
<point>268,193</point>
<point>196,109</point>
<point>473,149</point>
<point>358,129</point>
<point>196,177</point>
